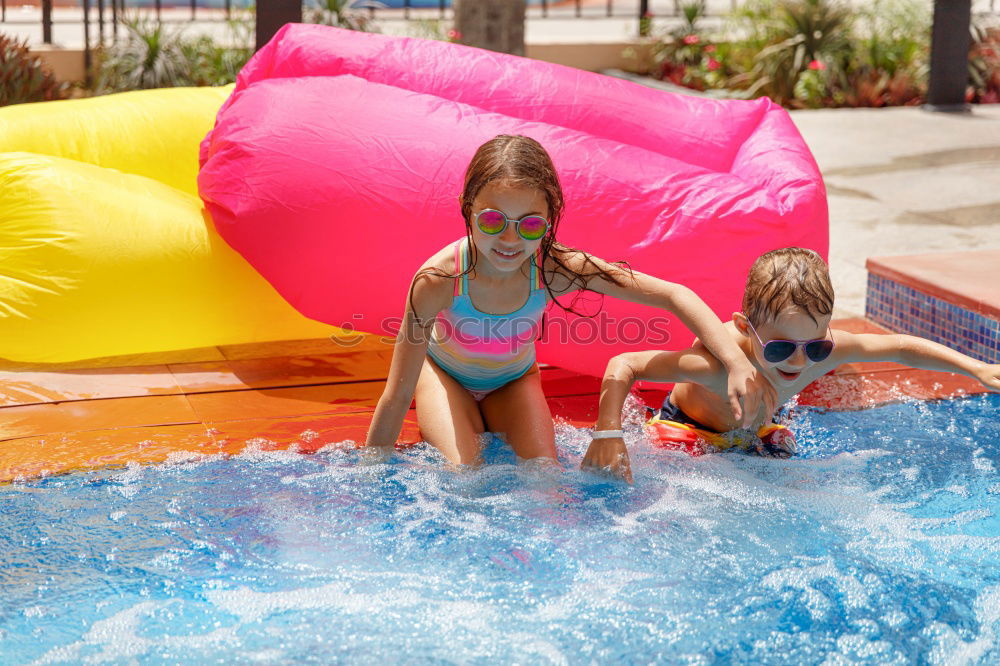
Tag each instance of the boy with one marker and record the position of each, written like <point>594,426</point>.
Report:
<point>784,329</point>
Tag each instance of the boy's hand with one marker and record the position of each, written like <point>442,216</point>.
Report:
<point>748,393</point>
<point>608,454</point>
<point>989,375</point>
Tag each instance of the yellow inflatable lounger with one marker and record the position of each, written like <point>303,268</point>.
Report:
<point>152,133</point>
<point>105,248</point>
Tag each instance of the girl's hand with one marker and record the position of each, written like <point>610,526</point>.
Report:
<point>748,392</point>
<point>608,455</point>
<point>372,454</point>
<point>989,375</point>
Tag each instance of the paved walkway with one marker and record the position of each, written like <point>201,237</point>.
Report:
<point>904,181</point>
<point>900,181</point>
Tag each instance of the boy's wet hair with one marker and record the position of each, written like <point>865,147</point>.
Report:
<point>790,276</point>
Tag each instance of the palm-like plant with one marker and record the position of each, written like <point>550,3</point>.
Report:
<point>339,13</point>
<point>800,33</point>
<point>149,57</point>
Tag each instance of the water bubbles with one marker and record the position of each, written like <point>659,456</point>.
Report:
<point>981,463</point>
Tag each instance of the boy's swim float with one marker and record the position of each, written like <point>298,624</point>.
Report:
<point>670,428</point>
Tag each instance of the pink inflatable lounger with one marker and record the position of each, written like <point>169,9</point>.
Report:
<point>335,168</point>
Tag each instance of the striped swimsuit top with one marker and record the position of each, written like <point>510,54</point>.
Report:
<point>485,351</point>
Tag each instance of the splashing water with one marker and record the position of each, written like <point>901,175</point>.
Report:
<point>879,542</point>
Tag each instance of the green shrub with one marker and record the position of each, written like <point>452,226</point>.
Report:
<point>436,29</point>
<point>889,63</point>
<point>153,56</point>
<point>984,66</point>
<point>821,53</point>
<point>23,77</point>
<point>212,64</point>
<point>688,58</point>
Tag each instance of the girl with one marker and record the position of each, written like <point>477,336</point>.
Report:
<point>466,345</point>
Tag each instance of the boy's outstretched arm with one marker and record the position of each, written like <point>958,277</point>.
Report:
<point>688,365</point>
<point>916,353</point>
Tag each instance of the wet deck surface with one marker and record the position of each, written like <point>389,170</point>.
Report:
<point>293,394</point>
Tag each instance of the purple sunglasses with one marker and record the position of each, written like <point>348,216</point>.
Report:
<point>776,351</point>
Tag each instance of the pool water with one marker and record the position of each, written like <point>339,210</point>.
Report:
<point>879,543</point>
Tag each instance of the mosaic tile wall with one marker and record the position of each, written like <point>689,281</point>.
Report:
<point>903,309</point>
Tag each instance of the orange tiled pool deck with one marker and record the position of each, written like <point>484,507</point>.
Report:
<point>296,394</point>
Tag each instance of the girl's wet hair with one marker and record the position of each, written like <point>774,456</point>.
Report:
<point>517,161</point>
<point>520,161</point>
<point>790,276</point>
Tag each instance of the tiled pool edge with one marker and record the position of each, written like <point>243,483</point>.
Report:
<point>905,308</point>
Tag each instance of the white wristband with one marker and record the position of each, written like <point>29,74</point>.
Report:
<point>607,434</point>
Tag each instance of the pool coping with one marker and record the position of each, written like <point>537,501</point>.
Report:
<point>966,279</point>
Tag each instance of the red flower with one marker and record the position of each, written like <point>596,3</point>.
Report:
<point>691,39</point>
<point>713,64</point>
<point>710,48</point>
<point>454,35</point>
<point>816,64</point>
<point>647,15</point>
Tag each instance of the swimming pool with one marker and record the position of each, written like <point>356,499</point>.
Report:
<point>879,543</point>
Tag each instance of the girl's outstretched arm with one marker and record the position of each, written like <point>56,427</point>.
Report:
<point>746,389</point>
<point>430,295</point>
<point>689,365</point>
